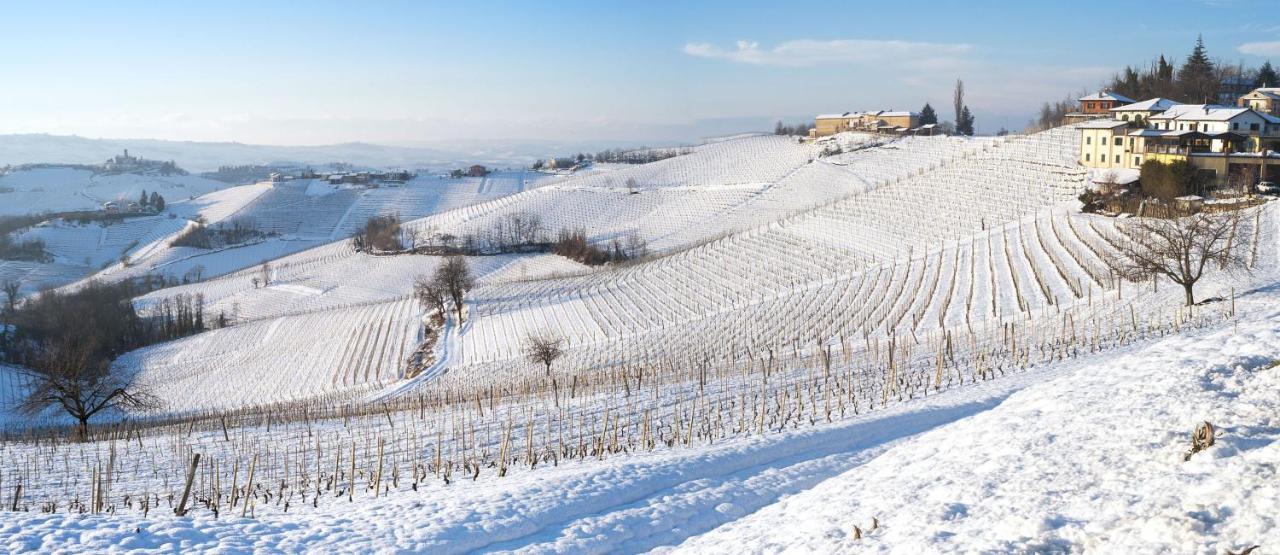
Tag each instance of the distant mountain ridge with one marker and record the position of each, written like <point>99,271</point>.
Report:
<point>196,156</point>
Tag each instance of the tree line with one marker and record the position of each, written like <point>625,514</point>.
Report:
<point>1197,81</point>
<point>798,130</point>
<point>514,232</point>
<point>201,236</point>
<point>65,341</point>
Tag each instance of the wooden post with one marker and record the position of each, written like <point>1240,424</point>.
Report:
<point>186,490</point>
<point>248,488</point>
<point>377,482</point>
<point>351,490</point>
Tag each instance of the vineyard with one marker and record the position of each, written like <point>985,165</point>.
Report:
<point>792,298</point>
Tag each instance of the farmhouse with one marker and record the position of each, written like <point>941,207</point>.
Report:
<point>1102,103</point>
<point>883,121</point>
<point>1097,106</point>
<point>1264,99</point>
<point>560,163</point>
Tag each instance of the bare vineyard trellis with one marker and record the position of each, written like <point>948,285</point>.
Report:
<point>882,350</point>
<point>329,451</point>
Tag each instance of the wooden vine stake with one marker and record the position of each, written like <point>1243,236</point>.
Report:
<point>186,489</point>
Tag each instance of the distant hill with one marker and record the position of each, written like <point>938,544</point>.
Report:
<point>203,156</point>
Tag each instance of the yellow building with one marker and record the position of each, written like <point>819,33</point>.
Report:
<point>1103,143</point>
<point>883,121</point>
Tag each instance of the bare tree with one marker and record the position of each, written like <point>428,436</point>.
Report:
<point>455,278</point>
<point>543,349</point>
<point>67,376</point>
<point>266,273</point>
<point>11,287</point>
<point>1181,248</point>
<point>430,293</point>
<point>411,235</point>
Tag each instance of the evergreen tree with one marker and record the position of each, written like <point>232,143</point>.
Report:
<point>157,201</point>
<point>927,115</point>
<point>1164,70</point>
<point>1164,85</point>
<point>1196,78</point>
<point>1267,76</point>
<point>964,124</point>
<point>143,201</point>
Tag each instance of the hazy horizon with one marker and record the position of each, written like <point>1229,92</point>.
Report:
<point>412,73</point>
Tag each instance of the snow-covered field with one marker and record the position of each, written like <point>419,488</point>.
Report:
<point>1084,455</point>
<point>912,346</point>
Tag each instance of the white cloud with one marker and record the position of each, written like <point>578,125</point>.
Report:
<point>1271,48</point>
<point>809,52</point>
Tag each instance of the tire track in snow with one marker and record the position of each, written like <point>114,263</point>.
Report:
<point>700,493</point>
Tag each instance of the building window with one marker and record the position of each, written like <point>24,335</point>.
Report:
<point>1124,117</point>
<point>1235,126</point>
<point>1253,127</point>
<point>1086,157</point>
<point>1137,160</point>
<point>1117,158</point>
<point>1088,140</point>
<point>1119,141</point>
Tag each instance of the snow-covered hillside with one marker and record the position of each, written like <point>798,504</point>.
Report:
<point>300,215</point>
<point>58,189</point>
<point>1083,455</point>
<point>919,338</point>
<point>822,260</point>
<point>309,213</point>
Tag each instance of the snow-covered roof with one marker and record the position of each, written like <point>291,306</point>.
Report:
<point>1108,95</point>
<point>1269,92</point>
<point>1118,176</point>
<point>1103,124</point>
<point>1208,112</point>
<point>1150,105</point>
<point>879,113</point>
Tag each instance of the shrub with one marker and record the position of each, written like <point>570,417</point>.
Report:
<point>380,233</point>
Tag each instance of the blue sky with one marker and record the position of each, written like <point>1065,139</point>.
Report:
<point>417,72</point>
